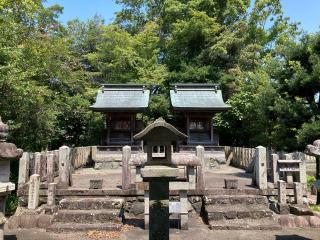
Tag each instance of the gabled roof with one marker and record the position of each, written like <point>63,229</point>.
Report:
<point>160,122</point>
<point>122,98</point>
<point>197,97</point>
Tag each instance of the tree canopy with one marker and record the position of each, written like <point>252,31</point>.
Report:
<point>268,68</point>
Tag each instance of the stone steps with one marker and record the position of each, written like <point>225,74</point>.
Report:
<point>238,212</point>
<point>87,216</point>
<point>236,199</point>
<point>91,203</point>
<point>83,227</point>
<point>240,224</point>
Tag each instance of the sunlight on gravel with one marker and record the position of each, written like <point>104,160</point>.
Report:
<point>96,235</point>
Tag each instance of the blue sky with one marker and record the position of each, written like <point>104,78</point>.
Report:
<point>305,11</point>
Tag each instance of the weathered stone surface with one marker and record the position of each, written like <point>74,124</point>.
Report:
<point>51,200</point>
<point>84,227</point>
<point>282,192</point>
<point>96,183</point>
<point>231,183</point>
<point>283,208</point>
<point>44,221</point>
<point>261,167</point>
<point>137,208</point>
<point>300,210</point>
<point>314,221</point>
<point>91,203</point>
<point>301,221</point>
<point>126,168</point>
<point>50,168</point>
<point>64,166</point>
<point>9,151</point>
<point>14,222</point>
<point>34,187</point>
<point>159,171</point>
<point>87,216</point>
<point>24,169</point>
<point>287,221</point>
<point>29,221</point>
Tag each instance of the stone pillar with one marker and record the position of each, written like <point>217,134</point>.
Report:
<point>184,210</point>
<point>289,174</point>
<point>51,194</point>
<point>50,168</point>
<point>191,177</point>
<point>200,169</point>
<point>37,163</point>
<point>298,193</point>
<point>34,188</point>
<point>24,169</point>
<point>261,167</point>
<point>64,166</point>
<point>282,192</point>
<point>275,173</point>
<point>159,210</point>
<point>139,181</point>
<point>146,209</point>
<point>126,169</point>
<point>303,169</point>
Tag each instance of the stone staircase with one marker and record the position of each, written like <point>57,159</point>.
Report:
<point>85,214</point>
<point>238,212</point>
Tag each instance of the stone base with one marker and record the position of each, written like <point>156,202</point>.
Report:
<point>96,184</point>
<point>231,183</point>
<point>107,165</point>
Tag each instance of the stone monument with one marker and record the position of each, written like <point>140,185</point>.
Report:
<point>314,150</point>
<point>8,151</point>
<point>158,170</point>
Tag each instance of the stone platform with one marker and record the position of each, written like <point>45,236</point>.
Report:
<point>214,178</point>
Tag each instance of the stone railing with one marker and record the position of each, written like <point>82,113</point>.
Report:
<point>46,164</point>
<point>243,158</point>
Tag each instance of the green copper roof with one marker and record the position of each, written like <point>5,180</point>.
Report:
<point>197,97</point>
<point>122,97</point>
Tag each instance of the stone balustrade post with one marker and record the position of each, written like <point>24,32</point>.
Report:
<point>184,209</point>
<point>37,163</point>
<point>64,166</point>
<point>261,167</point>
<point>50,168</point>
<point>200,169</point>
<point>146,209</point>
<point>34,188</point>
<point>275,173</point>
<point>298,192</point>
<point>51,200</point>
<point>282,192</point>
<point>24,169</point>
<point>126,168</point>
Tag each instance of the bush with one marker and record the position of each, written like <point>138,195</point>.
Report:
<point>310,181</point>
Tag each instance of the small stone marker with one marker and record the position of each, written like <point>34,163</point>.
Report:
<point>24,168</point>
<point>64,166</point>
<point>96,184</point>
<point>34,187</point>
<point>261,167</point>
<point>126,168</point>
<point>51,194</point>
<point>200,169</point>
<point>231,183</point>
<point>282,192</point>
<point>37,163</point>
<point>50,168</point>
<point>298,196</point>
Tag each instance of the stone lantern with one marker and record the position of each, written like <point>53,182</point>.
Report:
<point>8,151</point>
<point>159,170</point>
